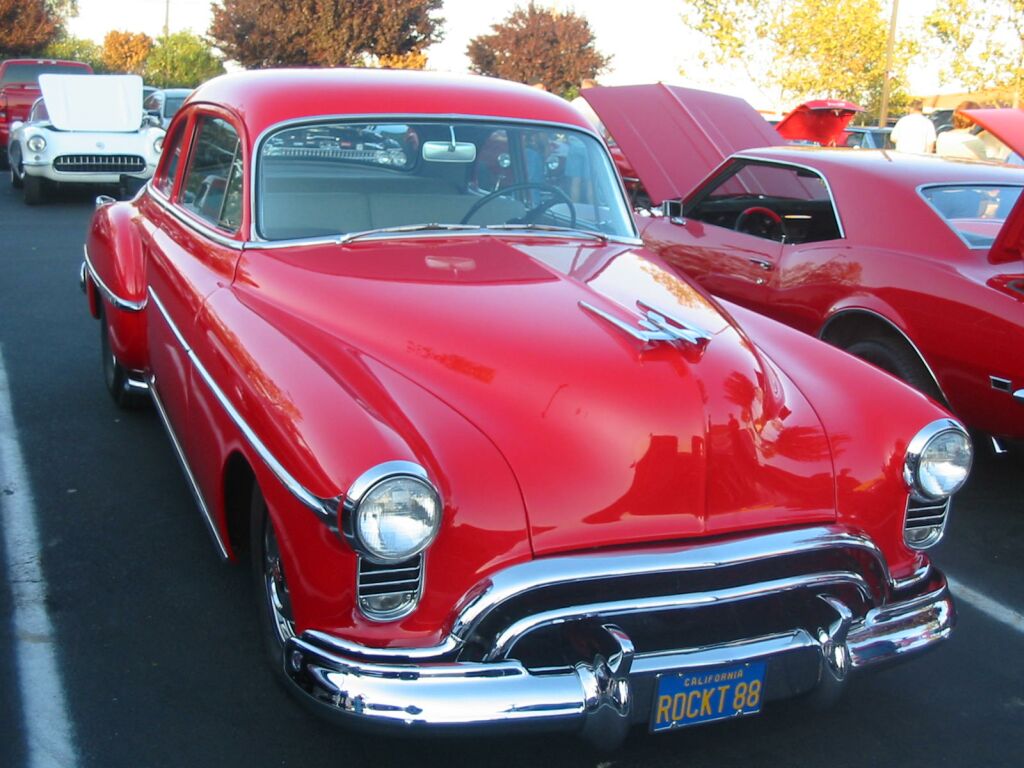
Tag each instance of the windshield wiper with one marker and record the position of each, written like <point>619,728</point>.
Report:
<point>432,227</point>
<point>551,228</point>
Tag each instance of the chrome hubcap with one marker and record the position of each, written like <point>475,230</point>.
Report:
<point>278,596</point>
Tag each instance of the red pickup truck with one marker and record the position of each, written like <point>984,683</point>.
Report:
<point>19,88</point>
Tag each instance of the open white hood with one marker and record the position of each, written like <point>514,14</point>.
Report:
<point>93,102</point>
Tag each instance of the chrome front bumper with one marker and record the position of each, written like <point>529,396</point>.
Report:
<point>418,691</point>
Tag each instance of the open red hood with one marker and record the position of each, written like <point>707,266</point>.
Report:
<point>822,121</point>
<point>674,137</point>
<point>1007,125</point>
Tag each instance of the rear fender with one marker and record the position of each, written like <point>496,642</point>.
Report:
<point>116,279</point>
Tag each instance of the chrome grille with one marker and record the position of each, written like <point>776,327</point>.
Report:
<point>100,164</point>
<point>389,591</point>
<point>925,521</point>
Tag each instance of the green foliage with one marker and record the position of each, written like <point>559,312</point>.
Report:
<point>805,49</point>
<point>984,41</point>
<point>181,60</point>
<point>76,49</point>
<point>330,33</point>
<point>539,45</point>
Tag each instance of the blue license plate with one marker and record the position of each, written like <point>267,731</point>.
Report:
<point>705,695</point>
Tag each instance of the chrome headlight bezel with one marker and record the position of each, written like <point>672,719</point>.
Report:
<point>158,145</point>
<point>36,143</point>
<point>366,487</point>
<point>916,459</point>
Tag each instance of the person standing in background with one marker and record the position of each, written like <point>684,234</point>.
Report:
<point>961,143</point>
<point>914,132</point>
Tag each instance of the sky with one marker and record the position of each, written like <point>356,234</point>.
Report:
<point>648,42</point>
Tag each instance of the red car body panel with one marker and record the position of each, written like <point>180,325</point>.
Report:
<point>822,121</point>
<point>1007,125</point>
<point>17,98</point>
<point>898,261</point>
<point>494,360</point>
<point>675,136</point>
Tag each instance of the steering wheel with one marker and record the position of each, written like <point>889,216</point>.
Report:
<point>534,213</point>
<point>770,220</point>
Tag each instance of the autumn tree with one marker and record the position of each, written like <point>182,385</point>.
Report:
<point>75,49</point>
<point>126,51</point>
<point>182,60</point>
<point>26,26</point>
<point>984,43</point>
<point>803,49</point>
<point>330,33</point>
<point>539,45</point>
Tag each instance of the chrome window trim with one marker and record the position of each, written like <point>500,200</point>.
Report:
<point>193,485</point>
<point>324,509</point>
<point>438,117</point>
<point>187,221</point>
<point>270,245</point>
<point>815,171</point>
<point>119,303</point>
<point>922,187</point>
<point>849,310</point>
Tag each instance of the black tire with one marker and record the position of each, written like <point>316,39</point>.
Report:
<point>274,602</point>
<point>16,170</point>
<point>34,189</point>
<point>115,375</point>
<point>900,360</point>
<point>3,158</point>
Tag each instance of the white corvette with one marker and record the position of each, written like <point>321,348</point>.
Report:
<point>86,129</point>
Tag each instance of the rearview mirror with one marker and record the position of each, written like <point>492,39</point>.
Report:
<point>449,151</point>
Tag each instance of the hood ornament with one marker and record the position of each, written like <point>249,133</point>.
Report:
<point>655,325</point>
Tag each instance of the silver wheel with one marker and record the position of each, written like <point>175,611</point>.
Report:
<point>275,586</point>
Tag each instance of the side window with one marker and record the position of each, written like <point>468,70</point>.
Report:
<point>775,202</point>
<point>151,103</point>
<point>174,147</point>
<point>212,187</point>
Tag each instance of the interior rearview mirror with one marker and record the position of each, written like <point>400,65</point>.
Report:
<point>449,151</point>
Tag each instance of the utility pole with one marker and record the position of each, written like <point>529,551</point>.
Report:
<point>167,17</point>
<point>883,114</point>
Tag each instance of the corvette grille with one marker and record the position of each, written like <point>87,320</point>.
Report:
<point>100,164</point>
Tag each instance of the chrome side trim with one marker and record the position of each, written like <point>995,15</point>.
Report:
<point>887,321</point>
<point>920,574</point>
<point>324,509</point>
<point>119,303</point>
<point>1019,396</point>
<point>815,171</point>
<point>211,526</point>
<point>614,608</point>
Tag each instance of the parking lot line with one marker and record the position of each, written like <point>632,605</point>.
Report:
<point>47,725</point>
<point>987,605</point>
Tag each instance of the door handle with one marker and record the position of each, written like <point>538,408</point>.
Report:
<point>767,266</point>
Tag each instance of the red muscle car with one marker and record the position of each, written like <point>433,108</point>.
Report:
<point>910,262</point>
<point>494,464</point>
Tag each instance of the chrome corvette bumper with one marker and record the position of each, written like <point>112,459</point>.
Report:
<point>430,690</point>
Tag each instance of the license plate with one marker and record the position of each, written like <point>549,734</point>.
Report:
<point>705,695</point>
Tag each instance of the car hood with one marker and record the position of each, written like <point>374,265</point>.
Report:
<point>611,442</point>
<point>674,137</point>
<point>93,102</point>
<point>1007,125</point>
<point>822,121</point>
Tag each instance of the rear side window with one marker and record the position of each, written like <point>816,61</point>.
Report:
<point>975,212</point>
<point>212,186</point>
<point>173,149</point>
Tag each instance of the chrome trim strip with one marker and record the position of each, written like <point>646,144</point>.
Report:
<point>324,509</point>
<point>999,384</point>
<point>438,117</point>
<point>887,321</point>
<point>211,526</point>
<point>919,575</point>
<point>195,226</point>
<point>1019,396</point>
<point>271,245</point>
<point>815,171</point>
<point>920,192</point>
<point>119,303</point>
<point>614,608</point>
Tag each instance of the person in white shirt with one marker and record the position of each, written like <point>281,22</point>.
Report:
<point>961,143</point>
<point>914,132</point>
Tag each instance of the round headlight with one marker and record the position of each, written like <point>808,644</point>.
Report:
<point>938,460</point>
<point>394,516</point>
<point>36,143</point>
<point>158,144</point>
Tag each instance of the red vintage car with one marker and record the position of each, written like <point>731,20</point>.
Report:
<point>822,121</point>
<point>910,262</point>
<point>494,464</point>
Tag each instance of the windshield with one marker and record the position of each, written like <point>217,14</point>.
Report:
<point>976,212</point>
<point>335,178</point>
<point>172,104</point>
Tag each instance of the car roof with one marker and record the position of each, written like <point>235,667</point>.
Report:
<point>902,167</point>
<point>266,97</point>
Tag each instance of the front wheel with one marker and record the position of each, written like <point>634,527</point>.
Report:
<point>899,360</point>
<point>277,622</point>
<point>17,172</point>
<point>34,189</point>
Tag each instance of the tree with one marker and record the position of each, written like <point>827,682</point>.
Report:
<point>804,49</point>
<point>539,45</point>
<point>330,33</point>
<point>986,41</point>
<point>76,49</point>
<point>182,60</point>
<point>26,26</point>
<point>126,51</point>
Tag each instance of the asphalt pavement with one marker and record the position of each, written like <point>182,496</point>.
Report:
<point>155,640</point>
